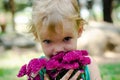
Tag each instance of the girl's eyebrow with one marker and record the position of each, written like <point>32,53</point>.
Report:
<point>46,40</point>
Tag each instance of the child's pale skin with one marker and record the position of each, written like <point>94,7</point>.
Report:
<point>65,40</point>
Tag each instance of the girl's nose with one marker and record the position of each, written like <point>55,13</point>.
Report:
<point>58,49</point>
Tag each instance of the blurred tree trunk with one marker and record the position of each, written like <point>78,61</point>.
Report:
<point>12,9</point>
<point>107,10</point>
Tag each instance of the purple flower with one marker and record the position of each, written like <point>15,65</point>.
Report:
<point>22,71</point>
<point>58,56</point>
<point>75,59</point>
<point>52,64</point>
<point>85,61</point>
<point>74,65</point>
<point>63,61</point>
<point>84,52</point>
<point>35,65</point>
<point>70,56</point>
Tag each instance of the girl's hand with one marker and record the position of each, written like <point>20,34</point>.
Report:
<point>67,75</point>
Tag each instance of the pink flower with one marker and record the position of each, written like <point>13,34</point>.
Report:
<point>74,65</point>
<point>71,56</point>
<point>85,61</point>
<point>52,64</point>
<point>33,67</point>
<point>22,71</point>
<point>84,52</point>
<point>58,56</point>
<point>63,61</point>
<point>75,59</point>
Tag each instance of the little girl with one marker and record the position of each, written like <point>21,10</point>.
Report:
<point>57,25</point>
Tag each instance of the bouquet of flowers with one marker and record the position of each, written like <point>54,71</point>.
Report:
<point>57,66</point>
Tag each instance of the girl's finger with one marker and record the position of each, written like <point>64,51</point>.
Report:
<point>76,75</point>
<point>46,77</point>
<point>67,75</point>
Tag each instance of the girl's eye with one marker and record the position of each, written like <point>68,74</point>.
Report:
<point>47,41</point>
<point>67,39</point>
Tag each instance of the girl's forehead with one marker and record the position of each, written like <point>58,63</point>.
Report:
<point>58,33</point>
<point>59,26</point>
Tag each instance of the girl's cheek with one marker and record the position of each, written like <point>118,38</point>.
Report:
<point>47,50</point>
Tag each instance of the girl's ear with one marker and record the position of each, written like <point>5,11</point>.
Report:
<point>80,30</point>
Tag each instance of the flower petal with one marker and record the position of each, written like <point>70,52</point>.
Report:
<point>22,71</point>
<point>52,64</point>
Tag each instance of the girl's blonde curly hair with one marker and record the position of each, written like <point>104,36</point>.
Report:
<point>50,12</point>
